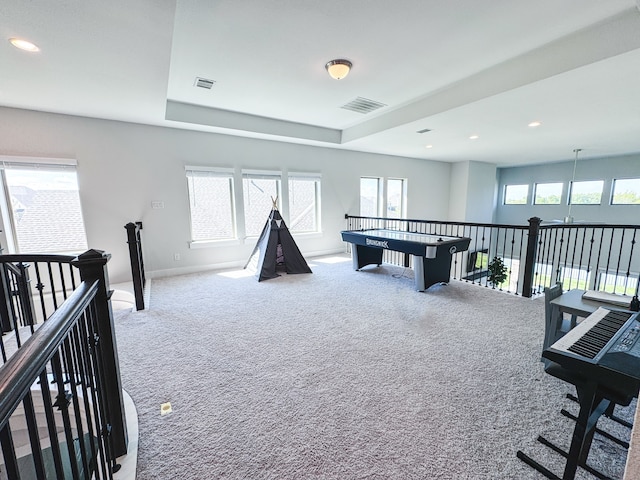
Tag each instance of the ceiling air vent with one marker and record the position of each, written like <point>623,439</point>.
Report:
<point>204,83</point>
<point>363,105</point>
<point>424,130</point>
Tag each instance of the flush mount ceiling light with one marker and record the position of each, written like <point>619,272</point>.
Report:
<point>338,69</point>
<point>535,124</point>
<point>24,45</point>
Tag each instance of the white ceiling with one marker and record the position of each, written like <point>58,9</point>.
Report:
<point>457,67</point>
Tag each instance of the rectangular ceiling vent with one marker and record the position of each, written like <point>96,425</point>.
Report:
<point>204,83</point>
<point>424,130</point>
<point>363,105</point>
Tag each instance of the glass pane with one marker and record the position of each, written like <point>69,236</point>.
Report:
<point>257,194</point>
<point>586,193</point>
<point>395,194</point>
<point>46,211</point>
<point>210,200</point>
<point>516,194</point>
<point>626,192</point>
<point>369,194</point>
<point>548,194</point>
<point>302,205</point>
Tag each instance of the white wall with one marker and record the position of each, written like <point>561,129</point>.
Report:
<point>472,195</point>
<point>123,167</point>
<point>606,169</point>
<point>458,191</point>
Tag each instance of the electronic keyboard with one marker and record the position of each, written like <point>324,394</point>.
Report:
<point>604,347</point>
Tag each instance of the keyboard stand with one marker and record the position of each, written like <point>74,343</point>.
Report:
<point>609,414</point>
<point>593,405</point>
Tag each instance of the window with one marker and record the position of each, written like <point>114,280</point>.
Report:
<point>586,193</point>
<point>211,204</point>
<point>44,208</point>
<point>547,194</point>
<point>626,192</point>
<point>304,202</point>
<point>259,190</point>
<point>516,194</point>
<point>396,198</point>
<point>370,197</point>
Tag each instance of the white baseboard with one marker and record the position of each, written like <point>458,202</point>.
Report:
<point>170,272</point>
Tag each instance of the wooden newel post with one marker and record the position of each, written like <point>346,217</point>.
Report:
<point>92,265</point>
<point>137,264</point>
<point>530,257</point>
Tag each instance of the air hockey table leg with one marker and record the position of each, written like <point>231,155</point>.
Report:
<point>418,273</point>
<point>362,256</point>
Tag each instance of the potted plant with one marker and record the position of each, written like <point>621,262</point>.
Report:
<point>497,271</point>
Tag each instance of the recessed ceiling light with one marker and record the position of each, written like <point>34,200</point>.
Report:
<point>428,146</point>
<point>474,137</point>
<point>535,124</point>
<point>24,45</point>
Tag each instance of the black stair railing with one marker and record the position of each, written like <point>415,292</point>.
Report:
<point>31,288</point>
<point>585,256</point>
<point>134,239</point>
<point>83,366</point>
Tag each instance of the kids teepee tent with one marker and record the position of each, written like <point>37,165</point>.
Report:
<point>276,249</point>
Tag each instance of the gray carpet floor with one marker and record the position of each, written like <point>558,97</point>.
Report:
<point>343,375</point>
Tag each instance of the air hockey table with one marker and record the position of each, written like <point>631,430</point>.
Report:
<point>432,254</point>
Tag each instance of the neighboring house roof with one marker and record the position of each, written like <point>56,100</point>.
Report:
<point>52,222</point>
<point>22,194</point>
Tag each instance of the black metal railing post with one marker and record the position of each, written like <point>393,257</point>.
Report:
<point>530,256</point>
<point>7,321</point>
<point>92,265</point>
<point>25,294</point>
<point>137,263</point>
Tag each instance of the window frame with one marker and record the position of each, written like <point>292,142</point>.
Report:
<point>506,188</point>
<point>535,192</point>
<point>317,179</point>
<point>378,197</point>
<point>572,186</point>
<point>403,197</point>
<point>217,172</point>
<point>42,164</point>
<point>262,175</point>
<point>613,191</point>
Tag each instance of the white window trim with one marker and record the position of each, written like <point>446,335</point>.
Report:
<point>380,194</point>
<point>221,172</point>
<point>403,195</point>
<point>314,177</point>
<point>8,162</point>
<point>317,177</point>
<point>248,174</point>
<point>37,162</point>
<point>211,171</point>
<point>264,174</point>
<point>195,244</point>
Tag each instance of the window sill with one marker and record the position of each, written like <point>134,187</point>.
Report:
<point>307,234</point>
<point>213,243</point>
